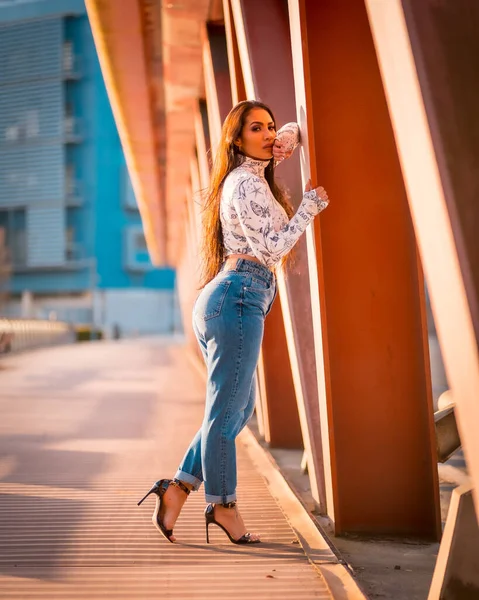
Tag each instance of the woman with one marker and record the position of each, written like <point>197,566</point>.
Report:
<point>249,228</point>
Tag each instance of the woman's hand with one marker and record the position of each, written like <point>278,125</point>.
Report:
<point>279,151</point>
<point>321,193</point>
<point>287,139</point>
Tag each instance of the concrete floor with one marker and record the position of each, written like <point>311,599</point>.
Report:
<point>85,430</point>
<point>384,568</point>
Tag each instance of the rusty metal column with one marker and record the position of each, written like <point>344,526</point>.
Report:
<point>217,79</point>
<point>185,274</point>
<point>432,89</point>
<point>290,401</point>
<point>202,139</point>
<point>238,90</point>
<point>195,207</point>
<point>375,390</point>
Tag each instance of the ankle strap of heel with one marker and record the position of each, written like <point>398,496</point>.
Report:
<point>179,484</point>
<point>228,504</point>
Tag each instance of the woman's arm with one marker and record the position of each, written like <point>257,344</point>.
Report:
<point>287,139</point>
<point>252,203</point>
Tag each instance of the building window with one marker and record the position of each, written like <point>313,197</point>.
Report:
<point>129,199</point>
<point>70,248</point>
<point>140,242</point>
<point>68,56</point>
<point>69,120</point>
<point>136,251</point>
<point>13,223</point>
<point>70,187</point>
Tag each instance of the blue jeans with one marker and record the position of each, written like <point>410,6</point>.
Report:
<point>228,320</point>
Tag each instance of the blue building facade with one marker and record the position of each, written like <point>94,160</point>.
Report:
<point>73,230</point>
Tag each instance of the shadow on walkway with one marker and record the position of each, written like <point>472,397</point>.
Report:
<point>85,430</point>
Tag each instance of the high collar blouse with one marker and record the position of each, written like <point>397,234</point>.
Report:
<point>253,222</point>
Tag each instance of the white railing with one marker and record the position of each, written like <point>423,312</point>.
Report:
<point>25,334</point>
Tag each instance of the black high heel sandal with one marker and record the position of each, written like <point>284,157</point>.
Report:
<point>210,519</point>
<point>159,488</point>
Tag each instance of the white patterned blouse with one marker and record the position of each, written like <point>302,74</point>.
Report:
<point>253,222</point>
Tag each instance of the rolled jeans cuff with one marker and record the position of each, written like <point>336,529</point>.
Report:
<point>220,499</point>
<point>187,478</point>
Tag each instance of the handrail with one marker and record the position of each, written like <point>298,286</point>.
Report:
<point>25,334</point>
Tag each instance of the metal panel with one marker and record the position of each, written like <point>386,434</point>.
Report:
<point>31,112</point>
<point>31,175</point>
<point>45,236</point>
<point>13,10</point>
<point>30,49</point>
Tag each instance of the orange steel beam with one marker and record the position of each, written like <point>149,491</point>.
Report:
<point>259,400</point>
<point>303,99</point>
<point>447,251</point>
<point>238,90</point>
<point>215,13</point>
<point>217,79</point>
<point>187,259</point>
<point>290,328</point>
<point>279,410</point>
<point>190,229</point>
<point>203,148</point>
<point>195,203</point>
<point>118,32</point>
<point>375,389</point>
<point>182,62</point>
<point>186,294</point>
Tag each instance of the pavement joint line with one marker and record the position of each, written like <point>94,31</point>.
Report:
<point>334,571</point>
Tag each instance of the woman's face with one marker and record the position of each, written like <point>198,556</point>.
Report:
<point>258,135</point>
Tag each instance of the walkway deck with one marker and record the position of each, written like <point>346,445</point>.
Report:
<point>84,431</point>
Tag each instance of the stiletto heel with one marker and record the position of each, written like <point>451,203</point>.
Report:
<point>153,489</point>
<point>210,519</point>
<point>159,488</point>
<point>207,534</point>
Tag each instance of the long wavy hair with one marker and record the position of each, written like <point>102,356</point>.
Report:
<point>228,157</point>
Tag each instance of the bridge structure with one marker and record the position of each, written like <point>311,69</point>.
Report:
<point>384,93</point>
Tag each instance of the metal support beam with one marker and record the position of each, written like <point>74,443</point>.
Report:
<point>118,35</point>
<point>217,80</point>
<point>294,324</point>
<point>371,337</point>
<point>456,576</point>
<point>238,90</point>
<point>436,133</point>
<point>202,140</point>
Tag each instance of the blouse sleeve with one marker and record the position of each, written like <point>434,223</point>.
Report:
<point>252,203</point>
<point>289,135</point>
